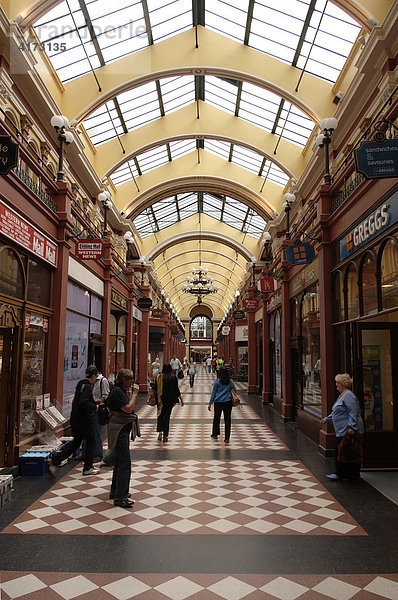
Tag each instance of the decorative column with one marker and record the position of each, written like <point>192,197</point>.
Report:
<point>106,307</point>
<point>143,344</point>
<point>325,262</point>
<point>267,387</point>
<point>287,409</point>
<point>56,342</point>
<point>251,345</point>
<point>130,319</point>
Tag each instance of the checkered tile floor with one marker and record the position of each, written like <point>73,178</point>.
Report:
<point>68,586</point>
<point>193,496</point>
<point>197,411</point>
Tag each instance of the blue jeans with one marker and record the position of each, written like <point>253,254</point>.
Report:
<point>122,469</point>
<point>191,379</point>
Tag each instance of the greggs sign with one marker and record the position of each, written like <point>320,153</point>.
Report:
<point>374,224</point>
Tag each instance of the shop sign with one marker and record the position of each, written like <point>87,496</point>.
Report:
<point>266,284</point>
<point>241,333</point>
<point>376,223</point>
<point>300,254</point>
<point>137,314</point>
<point>118,300</point>
<point>225,330</point>
<point>157,313</point>
<point>144,303</point>
<point>89,249</point>
<point>274,302</point>
<point>23,233</point>
<point>46,400</point>
<point>239,314</point>
<point>305,278</point>
<point>8,154</point>
<point>250,304</point>
<point>375,160</point>
<point>36,320</point>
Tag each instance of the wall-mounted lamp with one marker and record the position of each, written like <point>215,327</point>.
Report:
<point>267,247</point>
<point>253,261</point>
<point>59,122</point>
<point>105,199</point>
<point>129,239</point>
<point>323,140</point>
<point>289,199</point>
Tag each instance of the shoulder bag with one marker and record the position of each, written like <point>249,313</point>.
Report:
<point>234,396</point>
<point>350,448</point>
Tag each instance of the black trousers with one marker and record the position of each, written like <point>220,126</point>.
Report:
<point>163,423</point>
<point>80,432</point>
<point>226,408</point>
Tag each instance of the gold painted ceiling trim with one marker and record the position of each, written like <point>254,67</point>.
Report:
<point>203,251</point>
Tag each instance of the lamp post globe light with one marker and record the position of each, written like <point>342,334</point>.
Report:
<point>60,123</point>
<point>129,239</point>
<point>289,199</point>
<point>327,125</point>
<point>105,199</point>
<point>200,284</point>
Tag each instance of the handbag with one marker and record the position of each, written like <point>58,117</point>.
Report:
<point>135,427</point>
<point>349,449</point>
<point>152,398</point>
<point>103,414</point>
<point>234,397</point>
<point>180,374</point>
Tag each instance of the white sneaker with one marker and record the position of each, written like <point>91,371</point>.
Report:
<point>91,471</point>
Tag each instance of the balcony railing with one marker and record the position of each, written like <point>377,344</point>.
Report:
<point>35,187</point>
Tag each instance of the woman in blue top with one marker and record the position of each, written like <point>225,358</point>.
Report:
<point>221,398</point>
<point>345,418</point>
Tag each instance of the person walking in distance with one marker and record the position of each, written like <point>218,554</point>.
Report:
<point>82,423</point>
<point>219,364</point>
<point>121,402</point>
<point>167,394</point>
<point>230,368</point>
<point>208,364</point>
<point>221,398</point>
<point>192,370</point>
<point>101,389</point>
<point>175,365</point>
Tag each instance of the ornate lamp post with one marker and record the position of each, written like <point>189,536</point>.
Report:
<point>323,140</point>
<point>289,199</point>
<point>59,122</point>
<point>105,199</point>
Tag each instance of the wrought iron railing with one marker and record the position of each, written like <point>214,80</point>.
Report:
<point>35,187</point>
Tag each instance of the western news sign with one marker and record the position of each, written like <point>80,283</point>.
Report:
<point>376,223</point>
<point>300,254</point>
<point>377,160</point>
<point>89,249</point>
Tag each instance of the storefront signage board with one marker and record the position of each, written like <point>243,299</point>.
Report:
<point>89,249</point>
<point>225,330</point>
<point>241,333</point>
<point>266,285</point>
<point>303,279</point>
<point>239,314</point>
<point>144,303</point>
<point>300,254</point>
<point>376,223</point>
<point>119,300</point>
<point>8,154</point>
<point>377,160</point>
<point>250,304</point>
<point>157,313</point>
<point>23,233</point>
<point>137,314</point>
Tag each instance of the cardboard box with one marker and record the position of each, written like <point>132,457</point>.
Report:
<point>6,486</point>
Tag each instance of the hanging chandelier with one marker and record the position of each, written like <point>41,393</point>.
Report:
<point>200,284</point>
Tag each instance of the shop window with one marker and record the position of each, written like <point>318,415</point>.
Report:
<point>338,297</point>
<point>369,285</point>
<point>12,280</point>
<point>117,344</point>
<point>278,354</point>
<point>352,293</point>
<point>201,328</point>
<point>311,362</point>
<point>294,319</point>
<point>389,275</point>
<point>32,380</point>
<point>39,283</point>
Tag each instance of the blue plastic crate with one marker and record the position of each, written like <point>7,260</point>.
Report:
<point>33,464</point>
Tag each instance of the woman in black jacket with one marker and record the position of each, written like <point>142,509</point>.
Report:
<point>167,394</point>
<point>120,402</point>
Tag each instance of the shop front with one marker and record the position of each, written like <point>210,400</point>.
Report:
<point>27,260</point>
<point>117,335</point>
<point>365,300</point>
<point>242,356</point>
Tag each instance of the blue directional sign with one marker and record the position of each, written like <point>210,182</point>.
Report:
<point>300,254</point>
<point>376,160</point>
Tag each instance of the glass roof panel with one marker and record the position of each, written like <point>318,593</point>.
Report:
<point>177,92</point>
<point>234,23</point>
<point>220,93</point>
<point>168,18</point>
<point>168,211</point>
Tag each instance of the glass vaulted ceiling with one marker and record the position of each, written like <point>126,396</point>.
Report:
<point>169,211</point>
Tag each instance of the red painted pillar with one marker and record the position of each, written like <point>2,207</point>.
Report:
<point>267,387</point>
<point>251,346</point>
<point>288,410</point>
<point>143,345</point>
<point>106,306</point>
<point>130,318</point>
<point>56,341</point>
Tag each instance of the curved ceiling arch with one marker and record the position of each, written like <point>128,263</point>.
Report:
<point>210,262</point>
<point>211,184</point>
<point>38,8</point>
<point>198,235</point>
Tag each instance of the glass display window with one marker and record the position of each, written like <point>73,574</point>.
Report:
<point>12,277</point>
<point>389,274</point>
<point>352,292</point>
<point>310,345</point>
<point>32,380</point>
<point>39,283</point>
<point>243,363</point>
<point>369,285</point>
<point>338,297</point>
